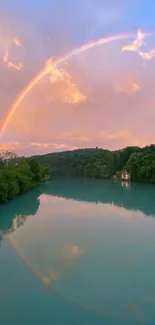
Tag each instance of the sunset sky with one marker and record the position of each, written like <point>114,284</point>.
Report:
<point>103,96</point>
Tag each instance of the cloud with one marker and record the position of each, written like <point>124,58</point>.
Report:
<point>17,41</point>
<point>109,118</point>
<point>76,136</point>
<point>7,49</point>
<point>35,147</point>
<point>129,87</point>
<point>124,137</point>
<point>12,65</point>
<point>104,139</point>
<point>70,93</point>
<point>147,55</point>
<point>5,57</point>
<point>9,146</point>
<point>71,252</point>
<point>50,146</point>
<point>137,44</point>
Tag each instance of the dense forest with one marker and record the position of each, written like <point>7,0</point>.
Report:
<point>19,175</point>
<point>100,163</point>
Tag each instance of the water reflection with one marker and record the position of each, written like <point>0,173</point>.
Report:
<point>1,237</point>
<point>139,198</point>
<point>14,213</point>
<point>126,185</point>
<point>90,253</point>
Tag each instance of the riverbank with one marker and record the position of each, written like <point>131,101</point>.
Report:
<point>100,163</point>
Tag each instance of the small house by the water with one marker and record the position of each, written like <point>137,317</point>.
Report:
<point>126,176</point>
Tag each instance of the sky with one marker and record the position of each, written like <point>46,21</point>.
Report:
<point>103,95</point>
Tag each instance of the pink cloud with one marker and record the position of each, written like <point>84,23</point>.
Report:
<point>136,44</point>
<point>148,55</point>
<point>9,146</point>
<point>119,110</point>
<point>130,86</point>
<point>35,147</point>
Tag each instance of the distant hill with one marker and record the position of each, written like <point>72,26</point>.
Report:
<point>100,163</point>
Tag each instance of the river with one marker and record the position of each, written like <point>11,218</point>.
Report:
<point>78,252</point>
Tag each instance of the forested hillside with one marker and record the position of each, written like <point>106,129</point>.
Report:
<point>19,175</point>
<point>99,163</point>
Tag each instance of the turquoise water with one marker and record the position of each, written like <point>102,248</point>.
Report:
<point>78,252</point>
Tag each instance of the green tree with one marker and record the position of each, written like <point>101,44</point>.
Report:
<point>100,163</point>
<point>45,172</point>
<point>19,175</point>
<point>13,186</point>
<point>3,187</point>
<point>36,170</point>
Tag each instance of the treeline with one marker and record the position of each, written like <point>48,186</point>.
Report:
<point>19,175</point>
<point>100,163</point>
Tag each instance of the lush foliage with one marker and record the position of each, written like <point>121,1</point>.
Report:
<point>99,163</point>
<point>19,175</point>
<point>142,165</point>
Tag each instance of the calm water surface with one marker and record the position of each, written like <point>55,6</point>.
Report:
<point>78,252</point>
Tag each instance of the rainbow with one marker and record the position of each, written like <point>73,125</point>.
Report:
<point>47,69</point>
